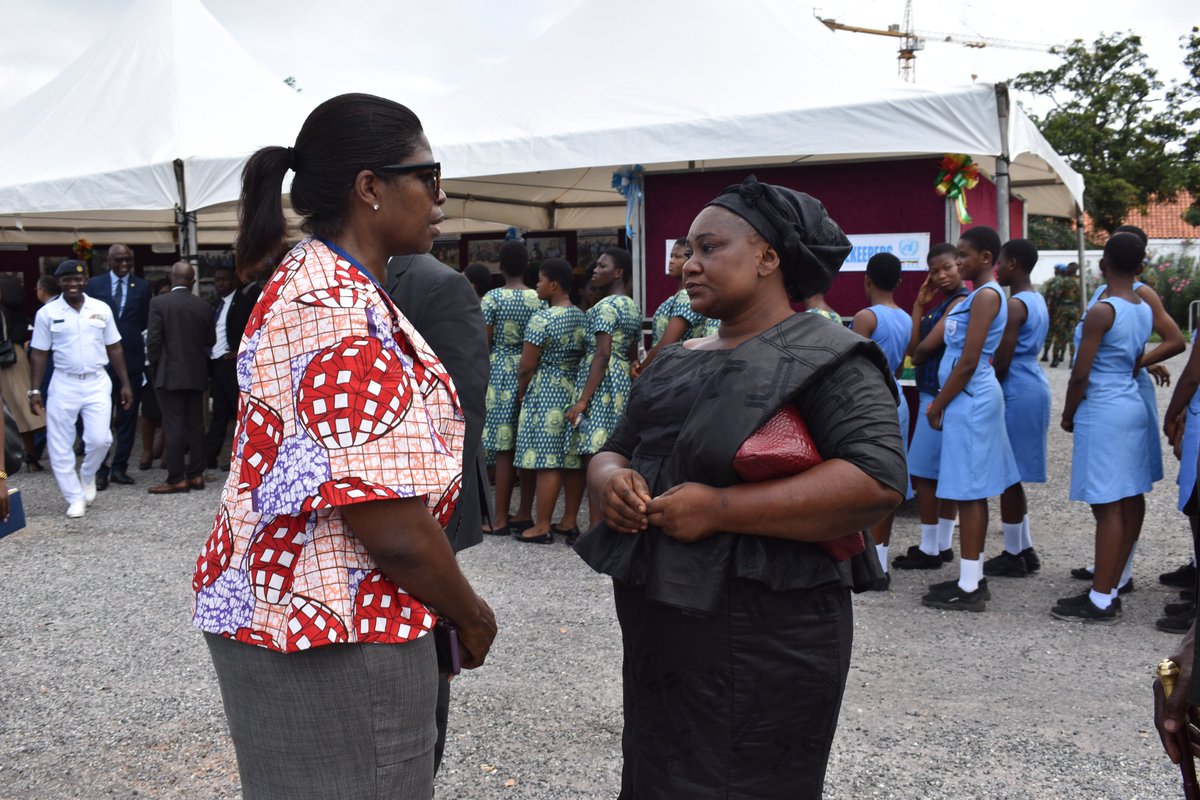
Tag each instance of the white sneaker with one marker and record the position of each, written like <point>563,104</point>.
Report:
<point>76,509</point>
<point>89,491</point>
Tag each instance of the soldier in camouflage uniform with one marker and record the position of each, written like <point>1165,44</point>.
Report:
<point>1050,290</point>
<point>1065,315</point>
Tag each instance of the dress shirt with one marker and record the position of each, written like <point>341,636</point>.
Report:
<point>222,346</point>
<point>124,291</point>
<point>77,339</point>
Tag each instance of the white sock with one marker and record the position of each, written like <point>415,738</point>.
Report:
<point>969,573</point>
<point>1026,539</point>
<point>929,539</point>
<point>881,551</point>
<point>1101,600</point>
<point>1127,573</point>
<point>1012,537</point>
<point>945,533</point>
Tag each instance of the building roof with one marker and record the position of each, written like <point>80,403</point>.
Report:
<point>1160,220</point>
<point>1165,220</point>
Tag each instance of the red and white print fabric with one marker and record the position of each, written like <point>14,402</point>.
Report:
<point>341,402</point>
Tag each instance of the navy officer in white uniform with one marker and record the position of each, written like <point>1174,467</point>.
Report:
<point>82,334</point>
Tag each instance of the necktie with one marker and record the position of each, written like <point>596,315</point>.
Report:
<point>119,296</point>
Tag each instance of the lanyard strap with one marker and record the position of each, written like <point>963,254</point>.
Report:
<point>387,300</point>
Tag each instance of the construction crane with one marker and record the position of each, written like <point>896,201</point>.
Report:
<point>912,40</point>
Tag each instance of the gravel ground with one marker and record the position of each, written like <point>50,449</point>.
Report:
<point>106,690</point>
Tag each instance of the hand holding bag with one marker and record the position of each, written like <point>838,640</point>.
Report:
<point>782,447</point>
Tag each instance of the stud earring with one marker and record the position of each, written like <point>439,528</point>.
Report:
<point>376,206</point>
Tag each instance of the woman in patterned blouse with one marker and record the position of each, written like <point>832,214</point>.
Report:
<point>347,462</point>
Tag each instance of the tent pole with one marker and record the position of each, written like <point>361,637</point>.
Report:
<point>638,247</point>
<point>186,222</point>
<point>1079,244</point>
<point>1003,186</point>
<point>953,229</point>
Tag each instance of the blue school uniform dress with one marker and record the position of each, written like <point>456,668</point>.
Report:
<point>1110,459</point>
<point>1145,386</point>
<point>893,328</point>
<point>925,450</point>
<point>977,461</point>
<point>1190,448</point>
<point>1027,392</point>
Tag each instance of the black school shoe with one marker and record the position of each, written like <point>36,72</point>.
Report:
<point>944,586</point>
<point>948,596</point>
<point>1176,623</point>
<point>1085,598</point>
<point>570,536</point>
<point>1086,611</point>
<point>544,538</point>
<point>1085,574</point>
<point>1006,565</point>
<point>1175,609</point>
<point>1032,562</point>
<point>1184,577</point>
<point>916,558</point>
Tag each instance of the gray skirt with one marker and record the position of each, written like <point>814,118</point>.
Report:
<point>339,721</point>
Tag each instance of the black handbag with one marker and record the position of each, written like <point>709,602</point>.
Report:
<point>8,356</point>
<point>14,449</point>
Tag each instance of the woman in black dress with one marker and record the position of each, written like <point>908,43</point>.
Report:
<point>736,626</point>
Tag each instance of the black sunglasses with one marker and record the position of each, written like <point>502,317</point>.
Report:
<point>434,168</point>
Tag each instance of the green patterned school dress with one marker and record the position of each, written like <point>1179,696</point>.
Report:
<point>678,305</point>
<point>507,312</point>
<point>618,316</point>
<point>544,437</point>
<point>832,316</point>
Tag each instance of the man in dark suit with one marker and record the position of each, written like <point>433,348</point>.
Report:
<point>129,297</point>
<point>178,341</point>
<point>232,312</point>
<point>443,307</point>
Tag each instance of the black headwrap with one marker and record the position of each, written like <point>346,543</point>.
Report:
<point>811,246</point>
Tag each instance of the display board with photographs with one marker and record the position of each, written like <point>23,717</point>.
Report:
<point>447,251</point>
<point>590,244</point>
<point>207,262</point>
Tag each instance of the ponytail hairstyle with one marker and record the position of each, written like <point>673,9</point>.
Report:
<point>340,138</point>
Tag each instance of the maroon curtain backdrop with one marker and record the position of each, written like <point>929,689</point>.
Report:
<point>876,197</point>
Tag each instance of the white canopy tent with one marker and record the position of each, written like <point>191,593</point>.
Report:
<point>173,106</point>
<point>151,123</point>
<point>699,85</point>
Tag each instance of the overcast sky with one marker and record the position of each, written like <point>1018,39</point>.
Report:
<point>410,51</point>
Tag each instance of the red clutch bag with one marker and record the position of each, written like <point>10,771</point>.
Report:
<point>781,447</point>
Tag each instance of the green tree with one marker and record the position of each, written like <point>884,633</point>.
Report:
<point>1111,122</point>
<point>1056,233</point>
<point>1185,99</point>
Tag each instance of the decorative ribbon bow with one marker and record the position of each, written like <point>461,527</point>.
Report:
<point>958,173</point>
<point>629,183</point>
<point>82,249</point>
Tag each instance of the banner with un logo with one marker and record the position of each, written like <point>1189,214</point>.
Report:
<point>910,248</point>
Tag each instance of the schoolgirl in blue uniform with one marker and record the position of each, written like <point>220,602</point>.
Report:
<point>889,326</point>
<point>977,461</point>
<point>1026,403</point>
<point>926,346</point>
<point>1182,428</point>
<point>1150,371</point>
<point>1110,464</point>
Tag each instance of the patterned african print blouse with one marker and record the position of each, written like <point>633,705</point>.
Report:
<point>341,402</point>
<point>678,305</point>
